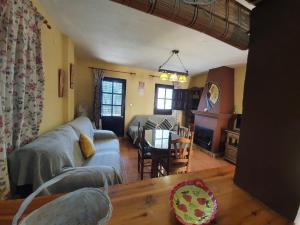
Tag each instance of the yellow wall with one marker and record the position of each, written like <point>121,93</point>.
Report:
<point>239,80</point>
<point>134,103</point>
<point>198,80</point>
<point>58,53</point>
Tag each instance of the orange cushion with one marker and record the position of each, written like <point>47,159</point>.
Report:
<point>87,146</point>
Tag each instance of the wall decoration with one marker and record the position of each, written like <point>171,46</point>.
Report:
<point>72,75</point>
<point>61,80</point>
<point>212,95</point>
<point>141,88</point>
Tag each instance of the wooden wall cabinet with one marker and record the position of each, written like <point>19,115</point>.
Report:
<point>194,96</point>
<point>187,100</point>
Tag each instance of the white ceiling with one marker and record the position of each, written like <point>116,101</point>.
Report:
<point>117,34</point>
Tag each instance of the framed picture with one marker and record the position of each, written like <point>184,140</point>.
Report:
<point>61,80</point>
<point>72,75</point>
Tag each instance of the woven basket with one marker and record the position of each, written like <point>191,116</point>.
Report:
<point>86,206</point>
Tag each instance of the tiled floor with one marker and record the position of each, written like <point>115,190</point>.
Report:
<point>199,160</point>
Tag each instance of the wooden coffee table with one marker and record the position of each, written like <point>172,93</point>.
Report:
<point>147,202</point>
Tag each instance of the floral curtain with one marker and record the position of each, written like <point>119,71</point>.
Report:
<point>21,79</point>
<point>98,77</point>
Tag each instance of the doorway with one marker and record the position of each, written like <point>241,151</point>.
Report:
<point>113,105</point>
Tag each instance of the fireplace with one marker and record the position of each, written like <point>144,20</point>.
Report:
<point>211,121</point>
<point>203,137</point>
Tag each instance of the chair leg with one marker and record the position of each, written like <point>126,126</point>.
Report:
<point>154,168</point>
<point>139,161</point>
<point>142,168</point>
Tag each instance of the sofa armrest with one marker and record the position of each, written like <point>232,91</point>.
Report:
<point>104,134</point>
<point>88,177</point>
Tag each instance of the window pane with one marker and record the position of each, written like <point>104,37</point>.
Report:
<point>158,143</point>
<point>160,104</point>
<point>106,110</point>
<point>165,143</point>
<point>161,92</point>
<point>106,86</point>
<point>165,134</point>
<point>169,93</point>
<point>107,99</point>
<point>158,134</point>
<point>117,100</point>
<point>117,88</point>
<point>117,110</point>
<point>168,104</point>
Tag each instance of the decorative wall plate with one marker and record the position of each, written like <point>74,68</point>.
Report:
<point>193,203</point>
<point>212,95</point>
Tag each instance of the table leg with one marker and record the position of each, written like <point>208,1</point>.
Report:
<point>154,168</point>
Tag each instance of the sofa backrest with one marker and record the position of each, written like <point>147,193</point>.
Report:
<point>45,157</point>
<point>83,125</point>
<point>155,118</point>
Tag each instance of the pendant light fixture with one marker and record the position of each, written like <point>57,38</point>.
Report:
<point>172,75</point>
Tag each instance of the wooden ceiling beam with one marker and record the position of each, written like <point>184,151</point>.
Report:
<point>226,20</point>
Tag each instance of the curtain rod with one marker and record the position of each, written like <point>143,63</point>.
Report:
<point>47,24</point>
<point>117,71</point>
<point>45,21</point>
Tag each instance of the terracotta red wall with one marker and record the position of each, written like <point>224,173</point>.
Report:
<point>268,164</point>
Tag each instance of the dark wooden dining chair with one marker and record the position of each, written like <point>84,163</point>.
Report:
<point>144,153</point>
<point>180,151</point>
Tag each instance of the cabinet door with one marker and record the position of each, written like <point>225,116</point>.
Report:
<point>194,99</point>
<point>180,99</point>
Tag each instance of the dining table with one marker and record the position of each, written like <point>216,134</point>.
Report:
<point>157,142</point>
<point>147,202</point>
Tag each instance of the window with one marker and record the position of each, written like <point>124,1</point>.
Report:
<point>112,98</point>
<point>163,99</point>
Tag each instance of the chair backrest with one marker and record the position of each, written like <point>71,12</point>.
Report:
<point>185,132</point>
<point>180,150</point>
<point>141,136</point>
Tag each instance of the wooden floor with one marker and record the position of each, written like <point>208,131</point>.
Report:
<point>199,161</point>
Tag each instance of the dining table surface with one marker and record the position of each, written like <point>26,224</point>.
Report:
<point>158,139</point>
<point>157,142</point>
<point>147,202</point>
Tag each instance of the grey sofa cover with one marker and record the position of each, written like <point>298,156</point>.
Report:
<point>58,151</point>
<point>142,119</point>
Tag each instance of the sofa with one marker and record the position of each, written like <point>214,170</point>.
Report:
<point>132,132</point>
<point>59,151</point>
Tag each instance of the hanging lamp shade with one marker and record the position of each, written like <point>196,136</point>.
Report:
<point>182,78</point>
<point>173,77</point>
<point>164,76</point>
